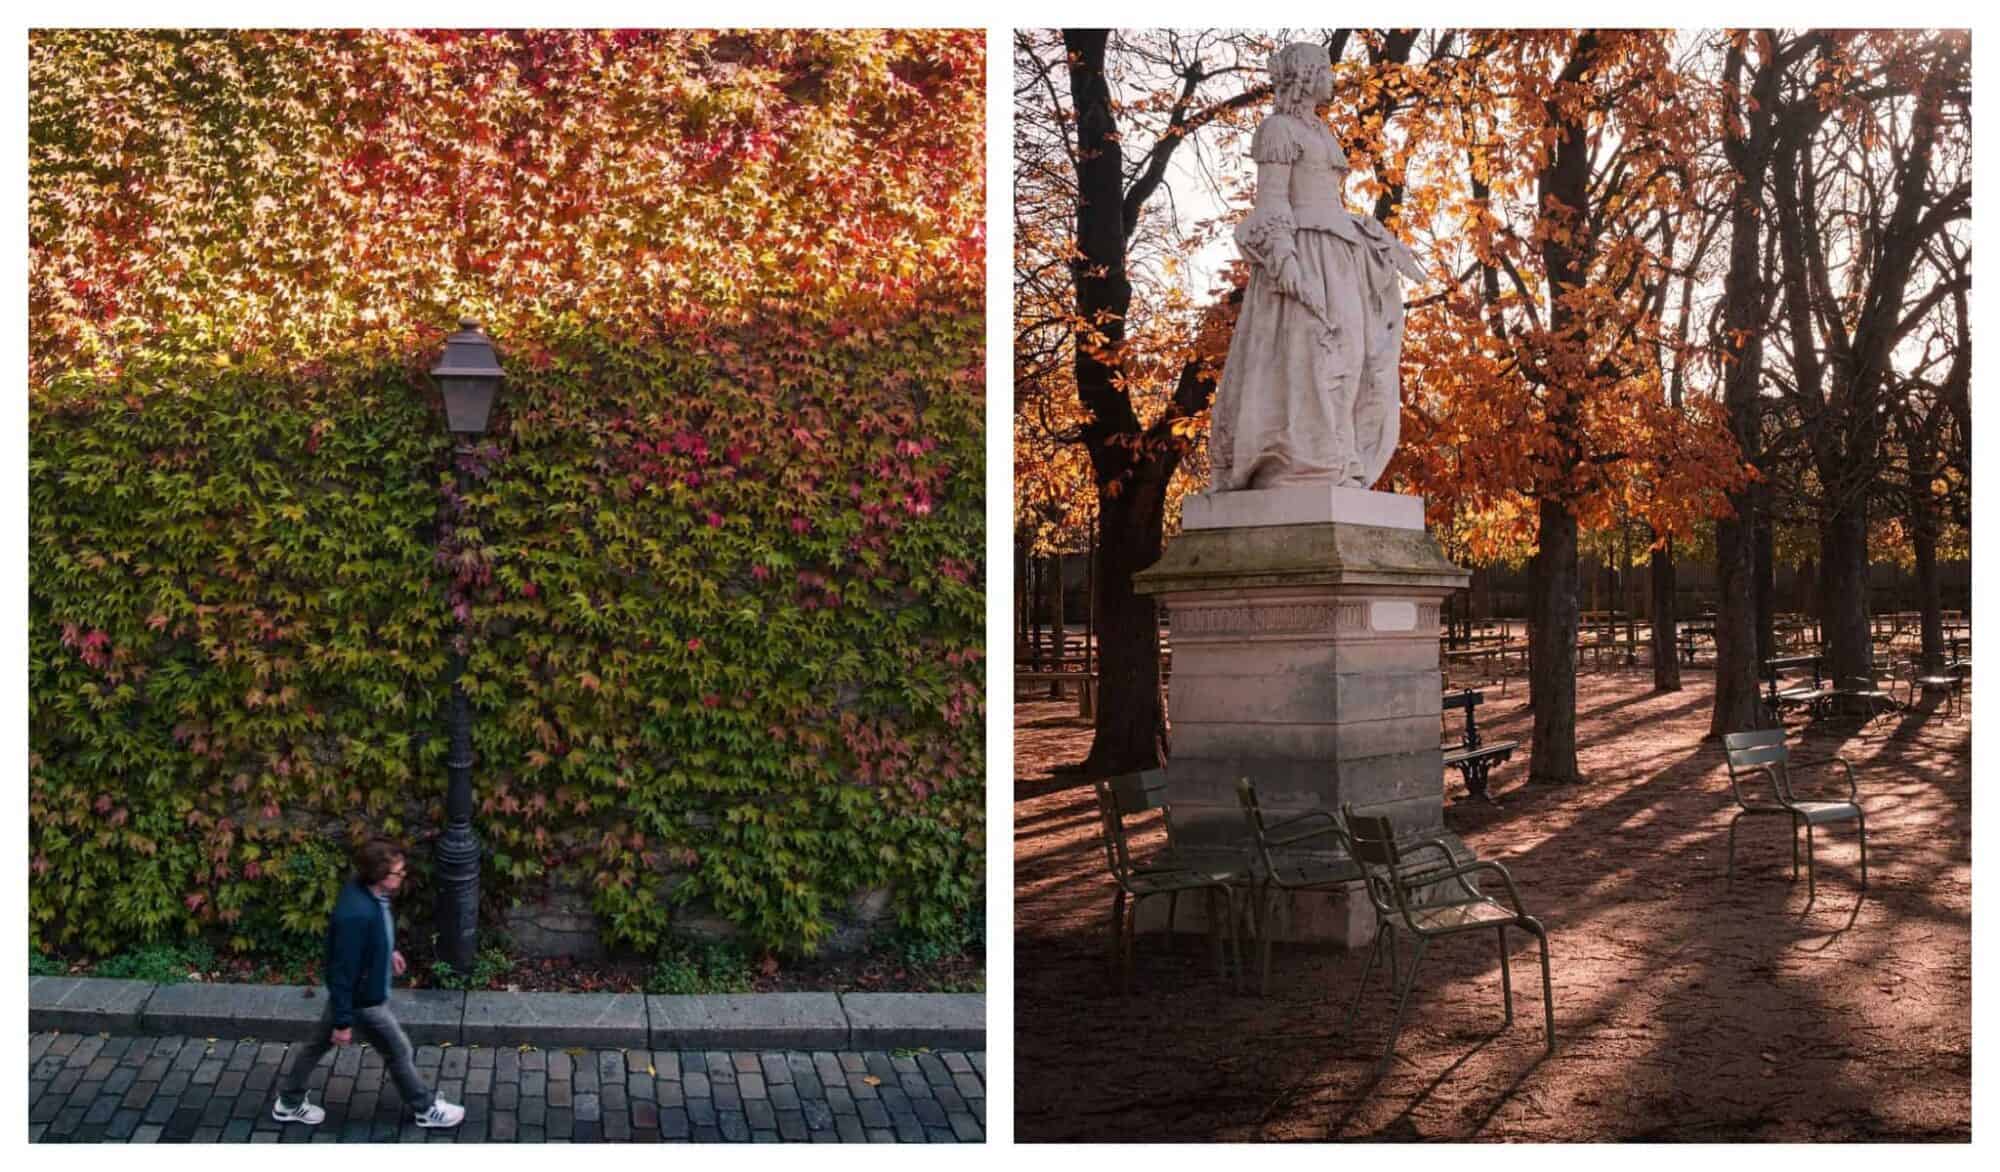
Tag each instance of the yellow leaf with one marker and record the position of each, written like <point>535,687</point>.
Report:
<point>871,1080</point>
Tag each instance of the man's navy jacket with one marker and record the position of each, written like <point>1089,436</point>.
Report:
<point>357,954</point>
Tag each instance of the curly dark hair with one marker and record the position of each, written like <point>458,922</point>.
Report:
<point>374,858</point>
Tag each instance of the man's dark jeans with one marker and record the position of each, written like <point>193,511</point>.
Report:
<point>381,1029</point>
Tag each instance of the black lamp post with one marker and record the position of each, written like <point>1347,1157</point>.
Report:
<point>468,374</point>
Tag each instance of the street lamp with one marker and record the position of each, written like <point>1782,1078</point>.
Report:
<point>468,375</point>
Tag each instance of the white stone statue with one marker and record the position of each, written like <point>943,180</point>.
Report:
<point>1310,393</point>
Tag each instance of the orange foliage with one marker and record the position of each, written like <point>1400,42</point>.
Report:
<point>293,197</point>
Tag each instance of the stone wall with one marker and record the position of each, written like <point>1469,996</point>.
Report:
<point>559,923</point>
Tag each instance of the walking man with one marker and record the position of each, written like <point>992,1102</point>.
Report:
<point>361,957</point>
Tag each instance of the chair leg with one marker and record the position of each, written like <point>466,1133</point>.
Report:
<point>1731,873</point>
<point>1402,1004</point>
<point>1382,933</point>
<point>1266,924</point>
<point>1795,849</point>
<point>1118,939</point>
<point>1548,990</point>
<point>1132,948</point>
<point>1861,825</point>
<point>1395,978</point>
<point>1215,933</point>
<point>1810,890</point>
<point>1506,978</point>
<point>1235,938</point>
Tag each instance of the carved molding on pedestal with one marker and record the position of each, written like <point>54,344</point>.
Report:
<point>1347,617</point>
<point>1282,619</point>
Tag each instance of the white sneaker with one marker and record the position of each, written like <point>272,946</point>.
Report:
<point>304,1113</point>
<point>441,1114</point>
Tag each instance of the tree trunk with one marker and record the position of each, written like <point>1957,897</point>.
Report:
<point>1022,596</point>
<point>1131,719</point>
<point>1930,597</point>
<point>1843,551</point>
<point>1131,728</point>
<point>1562,189</point>
<point>1748,147</point>
<point>1058,629</point>
<point>1552,660</point>
<point>1809,599</point>
<point>1765,583</point>
<point>1666,646</point>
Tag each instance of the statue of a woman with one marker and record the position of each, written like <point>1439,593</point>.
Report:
<point>1310,391</point>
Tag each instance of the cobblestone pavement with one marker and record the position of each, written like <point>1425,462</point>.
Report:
<point>89,1088</point>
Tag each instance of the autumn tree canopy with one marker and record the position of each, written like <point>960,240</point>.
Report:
<point>1604,248</point>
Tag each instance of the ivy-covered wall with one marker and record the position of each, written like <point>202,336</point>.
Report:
<point>717,566</point>
<point>724,622</point>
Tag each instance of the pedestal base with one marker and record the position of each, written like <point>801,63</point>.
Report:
<point>1305,659</point>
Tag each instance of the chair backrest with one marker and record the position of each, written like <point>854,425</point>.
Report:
<point>1139,792</point>
<point>1747,752</point>
<point>1372,837</point>
<point>1253,818</point>
<point>1116,856</point>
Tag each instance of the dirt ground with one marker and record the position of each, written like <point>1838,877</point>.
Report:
<point>1684,1011</point>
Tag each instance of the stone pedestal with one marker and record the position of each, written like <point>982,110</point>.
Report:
<point>1305,657</point>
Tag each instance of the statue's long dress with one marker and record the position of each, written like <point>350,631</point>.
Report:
<point>1305,398</point>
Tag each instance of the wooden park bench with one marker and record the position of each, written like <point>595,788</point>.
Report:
<point>1689,633</point>
<point>1597,644</point>
<point>1472,757</point>
<point>1495,657</point>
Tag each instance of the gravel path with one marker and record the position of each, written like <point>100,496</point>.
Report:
<point>1683,1010</point>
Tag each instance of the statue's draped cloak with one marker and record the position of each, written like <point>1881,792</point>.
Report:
<point>1308,397</point>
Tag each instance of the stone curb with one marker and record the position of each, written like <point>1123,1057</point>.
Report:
<point>762,1021</point>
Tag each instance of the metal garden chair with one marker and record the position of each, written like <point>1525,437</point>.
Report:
<point>1423,889</point>
<point>1164,875</point>
<point>1923,683</point>
<point>1284,862</point>
<point>1764,751</point>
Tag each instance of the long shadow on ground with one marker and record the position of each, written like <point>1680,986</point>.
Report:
<point>1685,1008</point>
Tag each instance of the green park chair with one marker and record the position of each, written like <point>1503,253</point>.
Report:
<point>1299,852</point>
<point>1166,873</point>
<point>1764,751</point>
<point>1923,683</point>
<point>1421,888</point>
